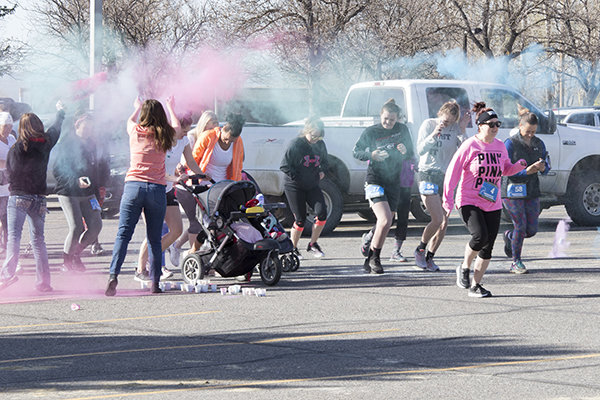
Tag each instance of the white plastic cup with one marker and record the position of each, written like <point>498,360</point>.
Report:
<point>167,286</point>
<point>223,291</point>
<point>204,288</point>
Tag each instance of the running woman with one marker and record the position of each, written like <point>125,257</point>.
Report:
<point>304,165</point>
<point>477,168</point>
<point>384,146</point>
<point>439,138</point>
<point>521,192</point>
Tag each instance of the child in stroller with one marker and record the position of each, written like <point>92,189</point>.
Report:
<point>229,214</point>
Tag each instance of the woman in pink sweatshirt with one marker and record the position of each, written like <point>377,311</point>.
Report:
<point>478,166</point>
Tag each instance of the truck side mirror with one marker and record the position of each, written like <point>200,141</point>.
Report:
<point>551,122</point>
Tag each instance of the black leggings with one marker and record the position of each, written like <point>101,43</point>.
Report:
<point>297,199</point>
<point>483,226</point>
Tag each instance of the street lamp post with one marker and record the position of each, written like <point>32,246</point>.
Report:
<point>95,41</point>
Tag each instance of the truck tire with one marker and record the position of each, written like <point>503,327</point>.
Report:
<point>417,209</point>
<point>367,214</point>
<point>583,201</point>
<point>283,215</point>
<point>335,208</point>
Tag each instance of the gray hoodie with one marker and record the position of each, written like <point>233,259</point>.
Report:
<point>435,152</point>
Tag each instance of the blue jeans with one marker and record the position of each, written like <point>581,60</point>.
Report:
<point>152,200</point>
<point>32,207</point>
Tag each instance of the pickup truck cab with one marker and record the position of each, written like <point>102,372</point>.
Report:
<point>574,150</point>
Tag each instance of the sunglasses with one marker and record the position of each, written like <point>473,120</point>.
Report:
<point>493,124</point>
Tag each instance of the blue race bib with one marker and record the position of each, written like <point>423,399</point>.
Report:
<point>428,188</point>
<point>489,191</point>
<point>516,190</point>
<point>373,191</point>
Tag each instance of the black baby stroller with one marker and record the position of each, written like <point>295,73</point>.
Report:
<point>220,207</point>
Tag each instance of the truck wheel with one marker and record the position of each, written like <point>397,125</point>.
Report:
<point>583,202</point>
<point>417,209</point>
<point>367,214</point>
<point>335,208</point>
<point>283,215</point>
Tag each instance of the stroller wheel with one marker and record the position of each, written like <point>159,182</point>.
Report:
<point>286,263</point>
<point>295,262</point>
<point>270,270</point>
<point>192,268</point>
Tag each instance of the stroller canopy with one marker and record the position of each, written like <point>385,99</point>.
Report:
<point>227,196</point>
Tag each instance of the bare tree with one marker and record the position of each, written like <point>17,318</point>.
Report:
<point>11,52</point>
<point>496,28</point>
<point>158,32</point>
<point>391,35</point>
<point>576,38</point>
<point>303,32</point>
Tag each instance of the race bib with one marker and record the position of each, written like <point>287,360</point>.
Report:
<point>428,188</point>
<point>516,190</point>
<point>95,205</point>
<point>489,191</point>
<point>373,191</point>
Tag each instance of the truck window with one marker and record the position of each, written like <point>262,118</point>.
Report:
<point>356,103</point>
<point>379,97</point>
<point>581,119</point>
<point>367,102</point>
<point>437,96</point>
<point>506,104</point>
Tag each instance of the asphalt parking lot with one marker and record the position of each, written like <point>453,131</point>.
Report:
<point>326,331</point>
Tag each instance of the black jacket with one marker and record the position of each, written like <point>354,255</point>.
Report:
<point>75,158</point>
<point>532,153</point>
<point>303,162</point>
<point>27,169</point>
<point>384,173</point>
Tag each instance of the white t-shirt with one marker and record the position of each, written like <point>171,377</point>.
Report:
<point>219,161</point>
<point>173,157</point>
<point>3,154</point>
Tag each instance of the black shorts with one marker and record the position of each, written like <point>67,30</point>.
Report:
<point>390,195</point>
<point>171,199</point>
<point>434,176</point>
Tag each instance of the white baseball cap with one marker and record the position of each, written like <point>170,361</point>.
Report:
<point>5,118</point>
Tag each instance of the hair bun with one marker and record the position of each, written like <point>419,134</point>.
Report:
<point>391,102</point>
<point>478,107</point>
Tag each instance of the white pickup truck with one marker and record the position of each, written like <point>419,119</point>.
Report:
<point>574,150</point>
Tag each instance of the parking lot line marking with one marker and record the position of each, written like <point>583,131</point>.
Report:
<point>191,346</point>
<point>321,336</point>
<point>324,378</point>
<point>106,320</point>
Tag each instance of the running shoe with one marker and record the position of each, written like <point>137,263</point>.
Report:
<point>43,287</point>
<point>7,282</point>
<point>507,245</point>
<point>155,289</point>
<point>431,267</point>
<point>420,259</point>
<point>375,264</point>
<point>297,253</point>
<point>315,249</point>
<point>111,288</point>
<point>166,274</point>
<point>20,270</point>
<point>517,267</point>
<point>143,277</point>
<point>96,249</point>
<point>397,256</point>
<point>479,291</point>
<point>174,255</point>
<point>364,247</point>
<point>462,277</point>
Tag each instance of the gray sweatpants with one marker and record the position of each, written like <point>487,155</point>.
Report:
<point>76,208</point>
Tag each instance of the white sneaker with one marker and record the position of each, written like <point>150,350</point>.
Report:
<point>166,274</point>
<point>174,255</point>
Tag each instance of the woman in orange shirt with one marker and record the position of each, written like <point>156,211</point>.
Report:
<point>220,152</point>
